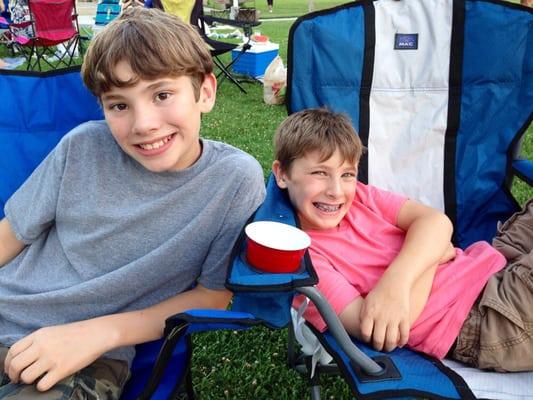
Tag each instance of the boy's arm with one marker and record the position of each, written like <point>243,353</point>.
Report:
<point>386,313</point>
<point>56,352</point>
<point>10,246</point>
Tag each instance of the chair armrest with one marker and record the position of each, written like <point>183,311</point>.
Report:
<point>179,327</point>
<point>209,320</point>
<point>356,356</point>
<point>524,170</point>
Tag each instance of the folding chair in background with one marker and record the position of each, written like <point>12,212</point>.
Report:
<point>217,48</point>
<point>441,94</point>
<point>107,11</point>
<point>52,23</point>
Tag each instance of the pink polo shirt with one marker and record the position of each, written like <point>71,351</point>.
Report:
<point>351,258</point>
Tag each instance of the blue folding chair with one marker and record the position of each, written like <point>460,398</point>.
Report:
<point>441,93</point>
<point>265,298</point>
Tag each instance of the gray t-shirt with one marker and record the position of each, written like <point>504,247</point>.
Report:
<point>106,235</point>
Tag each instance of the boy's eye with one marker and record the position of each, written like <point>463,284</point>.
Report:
<point>319,173</point>
<point>163,96</point>
<point>349,175</point>
<point>118,107</point>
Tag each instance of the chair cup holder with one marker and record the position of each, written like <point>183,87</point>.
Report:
<point>390,372</point>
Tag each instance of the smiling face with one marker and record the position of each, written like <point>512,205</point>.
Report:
<point>157,122</point>
<point>321,191</point>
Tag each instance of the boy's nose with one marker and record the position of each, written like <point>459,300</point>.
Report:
<point>146,122</point>
<point>334,188</point>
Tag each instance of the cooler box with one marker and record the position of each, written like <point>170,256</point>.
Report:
<point>255,61</point>
<point>106,12</point>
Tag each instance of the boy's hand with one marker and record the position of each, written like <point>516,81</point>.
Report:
<point>385,317</point>
<point>51,354</point>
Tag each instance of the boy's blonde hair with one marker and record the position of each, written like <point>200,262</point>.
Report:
<point>317,129</point>
<point>154,44</point>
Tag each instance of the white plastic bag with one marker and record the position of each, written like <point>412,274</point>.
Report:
<point>275,81</point>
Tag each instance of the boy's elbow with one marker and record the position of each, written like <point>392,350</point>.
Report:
<point>225,299</point>
<point>218,299</point>
<point>446,224</point>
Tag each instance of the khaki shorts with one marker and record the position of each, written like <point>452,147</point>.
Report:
<point>103,379</point>
<point>498,332</point>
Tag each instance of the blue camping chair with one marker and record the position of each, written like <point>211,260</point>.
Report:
<point>263,298</point>
<point>441,94</point>
<point>439,91</point>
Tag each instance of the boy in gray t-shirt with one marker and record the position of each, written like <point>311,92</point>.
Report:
<point>126,222</point>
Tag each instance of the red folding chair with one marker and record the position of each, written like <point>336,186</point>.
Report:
<point>52,23</point>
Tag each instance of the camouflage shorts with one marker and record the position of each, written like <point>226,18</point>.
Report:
<point>104,379</point>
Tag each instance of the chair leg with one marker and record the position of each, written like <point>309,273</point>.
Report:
<point>68,55</point>
<point>314,380</point>
<point>227,74</point>
<point>188,385</point>
<point>291,347</point>
<point>30,56</point>
<point>315,392</point>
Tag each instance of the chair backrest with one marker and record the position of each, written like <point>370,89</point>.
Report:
<point>439,91</point>
<point>37,110</point>
<point>54,20</point>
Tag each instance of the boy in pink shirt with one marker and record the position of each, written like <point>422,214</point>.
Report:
<point>386,263</point>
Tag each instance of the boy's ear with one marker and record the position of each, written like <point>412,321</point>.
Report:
<point>279,174</point>
<point>208,93</point>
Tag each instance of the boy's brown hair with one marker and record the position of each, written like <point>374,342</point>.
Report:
<point>154,44</point>
<point>316,129</point>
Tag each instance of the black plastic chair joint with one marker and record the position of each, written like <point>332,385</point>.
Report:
<point>388,372</point>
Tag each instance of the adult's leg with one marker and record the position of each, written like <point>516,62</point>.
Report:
<point>498,333</point>
<point>515,236</point>
<point>102,380</point>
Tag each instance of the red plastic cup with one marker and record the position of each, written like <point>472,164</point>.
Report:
<point>275,247</point>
